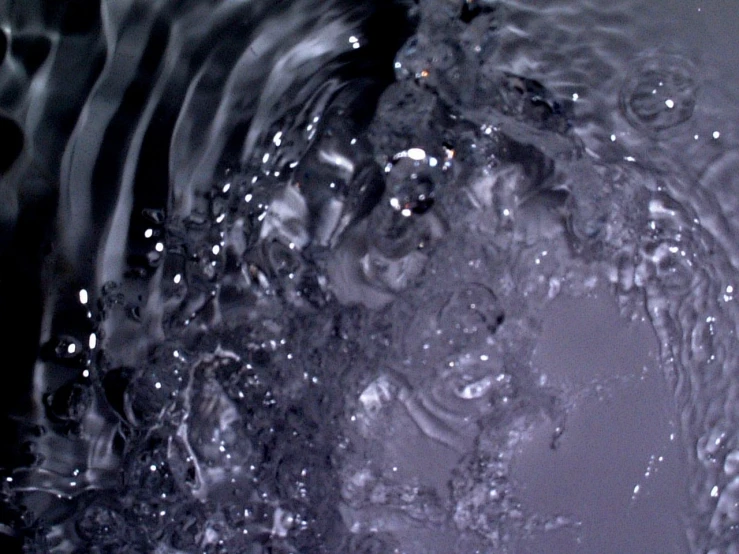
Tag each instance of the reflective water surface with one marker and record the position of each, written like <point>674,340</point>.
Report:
<point>404,276</point>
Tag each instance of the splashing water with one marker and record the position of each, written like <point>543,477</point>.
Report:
<point>269,250</point>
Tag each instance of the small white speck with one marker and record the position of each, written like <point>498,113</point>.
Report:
<point>248,197</point>
<point>177,279</point>
<point>216,249</point>
<point>484,357</point>
<point>575,97</point>
<point>729,289</point>
<point>92,342</point>
<point>405,212</point>
<point>353,39</point>
<point>149,233</point>
<point>152,467</point>
<point>83,296</point>
<point>613,138</point>
<point>86,373</point>
<point>636,489</point>
<point>157,385</point>
<point>226,188</point>
<point>159,247</point>
<point>265,158</point>
<point>714,491</point>
<point>716,134</point>
<point>669,103</point>
<point>71,349</point>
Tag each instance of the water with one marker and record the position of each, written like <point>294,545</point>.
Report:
<point>280,276</point>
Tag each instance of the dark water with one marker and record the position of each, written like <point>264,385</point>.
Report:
<point>274,274</point>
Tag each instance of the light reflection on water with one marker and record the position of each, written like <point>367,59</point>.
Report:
<point>287,247</point>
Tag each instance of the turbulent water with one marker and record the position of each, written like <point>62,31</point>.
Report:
<point>247,245</point>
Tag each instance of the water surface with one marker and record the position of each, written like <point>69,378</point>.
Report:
<point>388,276</point>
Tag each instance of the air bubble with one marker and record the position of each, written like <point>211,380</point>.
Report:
<point>69,402</point>
<point>660,93</point>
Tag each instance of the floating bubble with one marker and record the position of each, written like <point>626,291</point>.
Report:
<point>659,93</point>
<point>69,402</point>
<point>412,179</point>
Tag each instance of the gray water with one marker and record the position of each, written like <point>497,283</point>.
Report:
<point>378,277</point>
